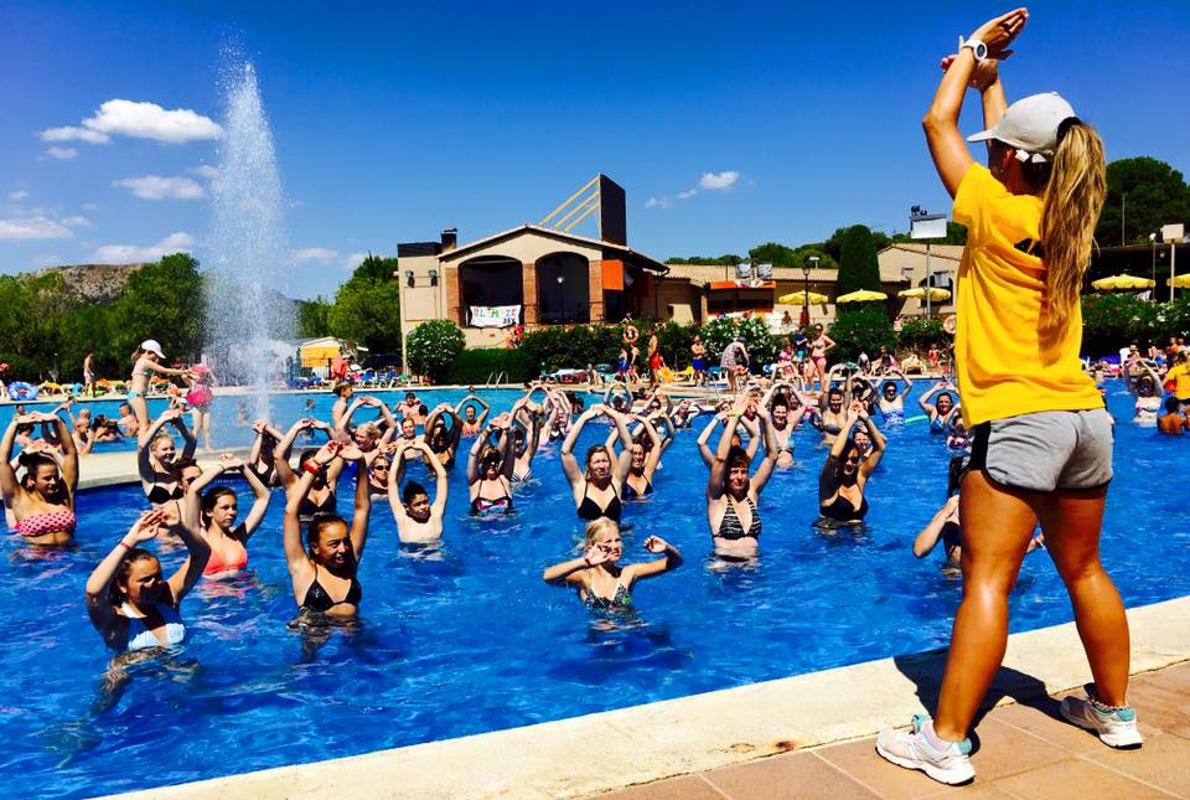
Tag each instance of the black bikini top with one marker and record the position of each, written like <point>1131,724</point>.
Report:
<point>317,598</point>
<point>590,510</point>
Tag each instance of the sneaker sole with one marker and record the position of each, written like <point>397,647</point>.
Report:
<point>1129,742</point>
<point>951,777</point>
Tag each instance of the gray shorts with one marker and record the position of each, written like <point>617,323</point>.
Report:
<point>1046,450</point>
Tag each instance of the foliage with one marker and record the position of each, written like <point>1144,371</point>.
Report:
<point>162,301</point>
<point>858,265</point>
<point>1157,195</point>
<point>367,311</point>
<point>861,330</point>
<point>313,318</point>
<point>729,259</point>
<point>433,347</point>
<point>673,340</point>
<point>716,334</point>
<point>557,347</point>
<point>475,367</point>
<point>918,333</point>
<point>375,268</point>
<point>1111,321</point>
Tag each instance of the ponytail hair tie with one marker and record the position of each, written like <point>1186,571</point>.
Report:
<point>1065,125</point>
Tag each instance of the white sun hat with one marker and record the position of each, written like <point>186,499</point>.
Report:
<point>1031,126</point>
<point>151,346</point>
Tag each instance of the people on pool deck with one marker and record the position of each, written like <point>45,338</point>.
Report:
<point>600,580</point>
<point>845,473</point>
<point>943,408</point>
<point>42,499</point>
<point>218,510</point>
<point>489,469</point>
<point>1172,422</point>
<point>158,459</point>
<point>597,488</point>
<point>892,402</point>
<point>735,362</point>
<point>820,344</point>
<point>130,603</point>
<point>472,424</point>
<point>698,360</point>
<point>732,494</point>
<point>145,364</point>
<point>321,496</point>
<point>1043,446</point>
<point>323,573</point>
<point>418,519</point>
<point>200,397</point>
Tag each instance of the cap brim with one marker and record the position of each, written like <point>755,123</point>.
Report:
<point>982,136</point>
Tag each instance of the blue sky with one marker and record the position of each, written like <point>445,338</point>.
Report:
<point>392,121</point>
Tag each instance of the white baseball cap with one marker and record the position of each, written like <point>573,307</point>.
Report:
<point>1031,126</point>
<point>151,346</point>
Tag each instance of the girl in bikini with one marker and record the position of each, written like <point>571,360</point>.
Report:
<point>597,488</point>
<point>732,514</point>
<point>42,503</point>
<point>146,362</point>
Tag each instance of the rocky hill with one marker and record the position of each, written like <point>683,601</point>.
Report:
<point>94,283</point>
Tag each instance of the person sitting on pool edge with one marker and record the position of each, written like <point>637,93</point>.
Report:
<point>601,582</point>
<point>42,502</point>
<point>845,474</point>
<point>324,573</point>
<point>732,495</point>
<point>129,603</point>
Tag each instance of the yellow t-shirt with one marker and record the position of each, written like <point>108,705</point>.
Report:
<point>1180,375</point>
<point>1009,360</point>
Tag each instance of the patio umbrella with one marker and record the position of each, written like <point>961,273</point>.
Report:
<point>1122,282</point>
<point>861,296</point>
<point>936,295</point>
<point>1180,281</point>
<point>798,298</point>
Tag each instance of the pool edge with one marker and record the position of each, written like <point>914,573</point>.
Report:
<point>657,740</point>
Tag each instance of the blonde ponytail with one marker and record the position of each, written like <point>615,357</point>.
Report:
<point>1072,201</point>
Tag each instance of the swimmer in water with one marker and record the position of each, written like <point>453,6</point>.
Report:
<point>845,474</point>
<point>943,409</point>
<point>732,494</point>
<point>892,402</point>
<point>217,510</point>
<point>597,488</point>
<point>419,520</point>
<point>601,581</point>
<point>42,500</point>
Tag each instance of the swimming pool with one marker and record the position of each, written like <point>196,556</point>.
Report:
<point>471,640</point>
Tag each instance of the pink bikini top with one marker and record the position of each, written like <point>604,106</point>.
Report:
<point>216,564</point>
<point>49,522</point>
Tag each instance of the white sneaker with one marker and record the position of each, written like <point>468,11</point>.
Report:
<point>913,750</point>
<point>1115,728</point>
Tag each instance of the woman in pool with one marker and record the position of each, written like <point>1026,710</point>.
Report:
<point>472,424</point>
<point>146,362</point>
<point>784,421</point>
<point>1043,441</point>
<point>42,502</point>
<point>419,520</point>
<point>892,402</point>
<point>1147,390</point>
<point>1172,422</point>
<point>732,495</point>
<point>646,455</point>
<point>831,412</point>
<point>819,345</point>
<point>262,458</point>
<point>200,397</point>
<point>218,508</point>
<point>526,437</point>
<point>131,604</point>
<point>943,409</point>
<point>597,489</point>
<point>443,440</point>
<point>600,580</point>
<point>845,474</point>
<point>489,468</point>
<point>320,497</point>
<point>158,459</point>
<point>750,428</point>
<point>367,437</point>
<point>323,573</point>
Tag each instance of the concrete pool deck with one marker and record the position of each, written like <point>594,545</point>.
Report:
<point>740,742</point>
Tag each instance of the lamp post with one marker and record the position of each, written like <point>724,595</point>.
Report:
<point>561,288</point>
<point>401,318</point>
<point>810,263</point>
<point>1153,245</point>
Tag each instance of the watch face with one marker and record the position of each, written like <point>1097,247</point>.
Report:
<point>981,51</point>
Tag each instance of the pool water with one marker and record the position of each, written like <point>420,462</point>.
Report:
<point>468,638</point>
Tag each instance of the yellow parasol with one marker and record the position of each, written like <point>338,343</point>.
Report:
<point>1123,282</point>
<point>861,296</point>
<point>799,298</point>
<point>919,293</point>
<point>1180,281</point>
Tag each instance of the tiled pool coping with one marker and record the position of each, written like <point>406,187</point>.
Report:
<point>596,753</point>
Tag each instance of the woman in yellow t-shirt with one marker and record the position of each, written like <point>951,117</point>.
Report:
<point>1042,438</point>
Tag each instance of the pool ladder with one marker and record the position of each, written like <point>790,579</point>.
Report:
<point>496,378</point>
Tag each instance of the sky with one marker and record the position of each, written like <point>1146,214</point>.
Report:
<point>728,124</point>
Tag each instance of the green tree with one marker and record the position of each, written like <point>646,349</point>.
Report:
<point>376,268</point>
<point>162,301</point>
<point>433,347</point>
<point>858,265</point>
<point>862,330</point>
<point>313,318</point>
<point>729,259</point>
<point>1157,195</point>
<point>778,255</point>
<point>368,312</point>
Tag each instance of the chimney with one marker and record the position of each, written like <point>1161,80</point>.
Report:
<point>450,239</point>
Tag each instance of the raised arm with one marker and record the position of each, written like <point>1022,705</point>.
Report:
<point>704,450</point>
<point>931,533</point>
<point>182,581</point>
<point>924,400</point>
<point>363,505</point>
<point>671,559</point>
<point>340,425</point>
<point>879,443</point>
<point>719,462</point>
<point>625,461</point>
<point>653,455</point>
<point>438,507</point>
<point>771,450</point>
<point>8,476</point>
<point>190,441</point>
<point>908,383</point>
<point>295,553</point>
<point>99,606</point>
<point>260,503</point>
<point>284,449</point>
<point>570,466</point>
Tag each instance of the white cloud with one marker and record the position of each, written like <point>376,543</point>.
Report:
<point>72,133</point>
<point>61,153</point>
<point>320,255</point>
<point>713,181</point>
<point>658,202</point>
<point>19,194</point>
<point>32,228</point>
<point>127,253</point>
<point>48,261</point>
<point>206,171</point>
<point>151,121</point>
<point>76,222</point>
<point>355,259</point>
<point>686,195</point>
<point>157,187</point>
<point>90,206</point>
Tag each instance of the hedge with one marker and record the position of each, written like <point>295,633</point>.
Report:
<point>475,367</point>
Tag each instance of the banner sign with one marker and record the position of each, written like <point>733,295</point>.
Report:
<point>495,316</point>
